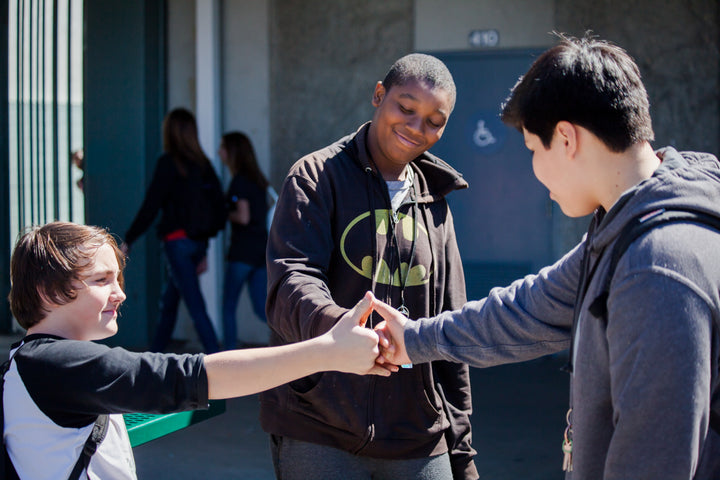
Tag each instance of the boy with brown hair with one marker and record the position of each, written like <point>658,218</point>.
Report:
<point>67,287</point>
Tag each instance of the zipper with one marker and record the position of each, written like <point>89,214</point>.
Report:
<point>370,428</point>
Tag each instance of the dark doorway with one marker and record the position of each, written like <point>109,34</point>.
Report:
<point>504,221</point>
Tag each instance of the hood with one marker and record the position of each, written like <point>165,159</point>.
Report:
<point>437,177</point>
<point>683,180</point>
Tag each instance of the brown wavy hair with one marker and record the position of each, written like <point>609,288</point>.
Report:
<point>45,263</point>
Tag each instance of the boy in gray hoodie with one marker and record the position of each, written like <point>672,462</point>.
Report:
<point>644,376</point>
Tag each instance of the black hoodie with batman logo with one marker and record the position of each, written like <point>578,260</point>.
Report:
<point>335,237</point>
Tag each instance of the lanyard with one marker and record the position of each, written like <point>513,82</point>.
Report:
<point>394,221</point>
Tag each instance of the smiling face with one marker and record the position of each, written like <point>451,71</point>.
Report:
<point>92,315</point>
<point>408,120</point>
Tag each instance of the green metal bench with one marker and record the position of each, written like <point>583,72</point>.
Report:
<point>144,427</point>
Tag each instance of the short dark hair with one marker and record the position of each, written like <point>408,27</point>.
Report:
<point>589,82</point>
<point>424,68</point>
<point>45,262</point>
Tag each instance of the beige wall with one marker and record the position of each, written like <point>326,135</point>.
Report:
<point>445,25</point>
<point>180,59</point>
<point>246,73</point>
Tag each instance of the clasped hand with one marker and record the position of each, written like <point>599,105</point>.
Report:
<point>361,350</point>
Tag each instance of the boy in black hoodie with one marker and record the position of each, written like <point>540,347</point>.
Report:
<point>369,213</point>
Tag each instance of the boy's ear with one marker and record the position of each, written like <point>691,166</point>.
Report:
<point>378,95</point>
<point>568,134</point>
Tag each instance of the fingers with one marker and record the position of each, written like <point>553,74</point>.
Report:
<point>363,309</point>
<point>385,310</point>
<point>382,370</point>
<point>384,340</point>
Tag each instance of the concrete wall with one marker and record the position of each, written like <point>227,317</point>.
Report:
<point>246,73</point>
<point>445,25</point>
<point>676,45</point>
<point>325,58</point>
<point>180,61</point>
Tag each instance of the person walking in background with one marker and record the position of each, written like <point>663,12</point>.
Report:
<point>187,192</point>
<point>247,204</point>
<point>369,213</point>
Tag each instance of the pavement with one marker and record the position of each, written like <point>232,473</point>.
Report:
<point>518,421</point>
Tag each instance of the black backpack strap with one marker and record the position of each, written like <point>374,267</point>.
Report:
<point>6,466</point>
<point>634,229</point>
<point>91,444</point>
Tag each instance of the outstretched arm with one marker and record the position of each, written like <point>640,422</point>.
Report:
<point>348,347</point>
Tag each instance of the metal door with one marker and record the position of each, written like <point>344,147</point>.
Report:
<point>503,221</point>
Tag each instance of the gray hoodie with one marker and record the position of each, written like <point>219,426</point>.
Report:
<point>643,383</point>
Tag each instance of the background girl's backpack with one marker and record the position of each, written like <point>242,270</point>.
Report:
<point>205,208</point>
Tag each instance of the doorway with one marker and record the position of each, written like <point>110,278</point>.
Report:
<point>504,220</point>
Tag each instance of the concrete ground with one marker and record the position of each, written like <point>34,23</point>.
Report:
<point>518,421</point>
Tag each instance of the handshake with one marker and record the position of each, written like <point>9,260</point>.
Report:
<point>356,349</point>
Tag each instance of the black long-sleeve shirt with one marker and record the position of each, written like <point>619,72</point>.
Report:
<point>56,388</point>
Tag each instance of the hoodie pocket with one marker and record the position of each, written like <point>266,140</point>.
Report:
<point>406,405</point>
<point>335,399</point>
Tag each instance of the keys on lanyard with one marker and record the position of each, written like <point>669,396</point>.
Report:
<point>567,444</point>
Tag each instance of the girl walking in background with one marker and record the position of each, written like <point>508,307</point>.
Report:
<point>183,188</point>
<point>247,203</point>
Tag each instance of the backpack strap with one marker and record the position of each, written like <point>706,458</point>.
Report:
<point>97,435</point>
<point>7,469</point>
<point>634,229</point>
<point>91,444</point>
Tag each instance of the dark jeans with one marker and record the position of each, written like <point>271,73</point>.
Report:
<point>236,274</point>
<point>183,256</point>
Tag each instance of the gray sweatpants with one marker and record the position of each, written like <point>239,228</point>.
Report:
<point>297,460</point>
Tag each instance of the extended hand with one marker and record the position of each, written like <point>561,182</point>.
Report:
<point>355,348</point>
<point>391,334</point>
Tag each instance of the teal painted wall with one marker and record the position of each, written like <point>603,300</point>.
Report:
<point>5,318</point>
<point>124,89</point>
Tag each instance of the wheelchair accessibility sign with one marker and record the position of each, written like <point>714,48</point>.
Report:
<point>486,132</point>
